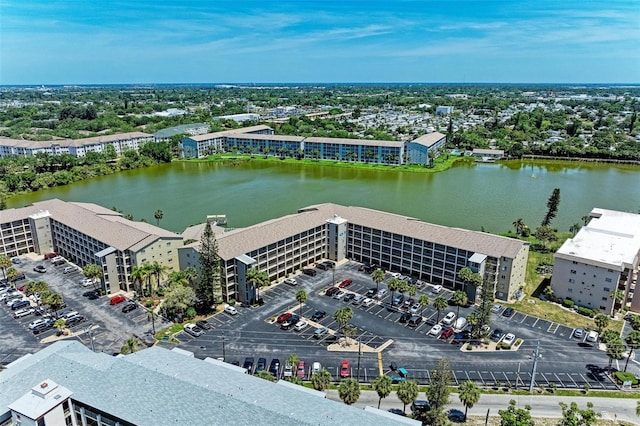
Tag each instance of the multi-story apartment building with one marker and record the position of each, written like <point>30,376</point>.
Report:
<point>79,147</point>
<point>329,231</point>
<point>602,258</point>
<point>260,139</point>
<point>87,233</point>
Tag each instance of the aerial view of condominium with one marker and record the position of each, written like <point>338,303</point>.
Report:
<point>319,213</point>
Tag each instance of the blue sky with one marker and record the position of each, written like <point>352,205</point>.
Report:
<point>219,41</point>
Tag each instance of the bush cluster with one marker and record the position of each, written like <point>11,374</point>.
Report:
<point>568,303</point>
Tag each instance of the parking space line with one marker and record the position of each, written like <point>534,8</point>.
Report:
<point>552,328</point>
<point>535,322</point>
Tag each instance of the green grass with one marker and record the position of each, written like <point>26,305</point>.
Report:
<point>169,332</point>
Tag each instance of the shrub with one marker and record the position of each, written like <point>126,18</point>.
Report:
<point>469,347</point>
<point>191,312</point>
<point>232,302</point>
<point>586,312</point>
<point>518,342</point>
<point>622,376</point>
<point>568,303</point>
<point>149,303</point>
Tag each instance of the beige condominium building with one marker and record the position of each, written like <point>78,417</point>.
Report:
<point>86,233</point>
<point>603,257</point>
<point>430,252</point>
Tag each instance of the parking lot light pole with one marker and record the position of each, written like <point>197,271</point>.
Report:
<point>89,332</point>
<point>359,355</point>
<point>223,352</point>
<point>536,356</point>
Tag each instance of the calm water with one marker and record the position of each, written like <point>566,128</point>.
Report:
<point>468,196</point>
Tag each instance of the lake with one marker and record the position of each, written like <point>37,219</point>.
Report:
<point>474,196</point>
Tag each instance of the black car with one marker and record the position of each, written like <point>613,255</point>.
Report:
<point>371,292</point>
<point>261,365</point>
<point>431,321</point>
<point>322,266</point>
<point>406,316</point>
<point>248,364</point>
<point>420,405</point>
<point>41,269</point>
<point>318,315</point>
<point>507,312</point>
<point>203,324</point>
<point>74,321</point>
<point>329,264</point>
<point>310,272</point>
<point>93,296</point>
<point>496,335</point>
<point>129,307</point>
<point>20,304</point>
<point>348,297</point>
<point>290,322</point>
<point>88,293</point>
<point>274,367</point>
<point>397,411</point>
<point>456,416</point>
<point>415,321</point>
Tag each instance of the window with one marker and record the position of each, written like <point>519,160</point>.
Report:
<point>607,280</point>
<point>573,271</point>
<point>605,298</point>
<point>570,290</point>
<point>606,289</point>
<point>571,280</point>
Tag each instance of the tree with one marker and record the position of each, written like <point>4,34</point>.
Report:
<point>459,298</point>
<point>394,285</point>
<point>519,226</point>
<point>412,290</point>
<point>158,270</point>
<point>633,343</point>
<point>5,262</point>
<point>424,301</point>
<point>552,207</point>
<point>574,416</point>
<point>130,346</point>
<point>293,360</point>
<point>469,394</point>
<point>601,321</point>
<point>378,276</point>
<point>349,390</point>
<point>61,325</point>
<point>382,386</point>
<point>438,390</point>
<point>615,349</point>
<point>265,375</point>
<point>545,234</point>
<point>34,287</point>
<point>295,380</point>
<point>574,228</point>
<point>179,299</point>
<point>257,279</point>
<point>618,297</point>
<point>158,216</point>
<point>209,278</point>
<point>94,272</point>
<point>138,276</point>
<point>177,278</point>
<point>407,393</point>
<point>638,408</point>
<point>321,380</point>
<point>440,303</point>
<point>343,316</point>
<point>513,416</point>
<point>52,299</point>
<point>11,273</point>
<point>301,297</point>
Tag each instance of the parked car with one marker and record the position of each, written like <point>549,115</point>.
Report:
<point>348,297</point>
<point>283,317</point>
<point>382,293</point>
<point>290,322</point>
<point>578,333</point>
<point>50,255</point>
<point>322,266</point>
<point>496,335</point>
<point>23,312</point>
<point>20,304</point>
<point>339,295</point>
<point>345,283</point>
<point>40,269</point>
<point>420,405</point>
<point>371,292</point>
<point>460,323</point>
<point>316,367</point>
<point>288,370</point>
<point>301,373</point>
<point>129,307</point>
<point>331,291</point>
<point>274,367</point>
<point>86,282</point>
<point>345,368</point>
<point>73,321</point>
<point>329,264</point>
<point>592,336</point>
<point>358,299</point>
<point>404,317</point>
<point>415,308</point>
<point>301,325</point>
<point>462,336</point>
<point>248,364</point>
<point>435,330</point>
<point>446,332</point>
<point>261,365</point>
<point>318,315</point>
<point>449,318</point>
<point>320,332</point>
<point>368,302</point>
<point>291,281</point>
<point>231,310</point>
<point>407,303</point>
<point>16,260</point>
<point>397,299</point>
<point>203,324</point>
<point>58,262</point>
<point>414,321</point>
<point>496,308</point>
<point>310,272</point>
<point>35,323</point>
<point>507,312</point>
<point>436,289</point>
<point>21,276</point>
<point>456,415</point>
<point>42,327</point>
<point>509,339</point>
<point>119,298</point>
<point>193,330</point>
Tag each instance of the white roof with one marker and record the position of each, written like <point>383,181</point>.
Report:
<point>611,240</point>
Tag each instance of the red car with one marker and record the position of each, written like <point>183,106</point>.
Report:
<point>117,299</point>
<point>331,291</point>
<point>446,333</point>
<point>282,318</point>
<point>345,283</point>
<point>21,288</point>
<point>300,372</point>
<point>345,368</point>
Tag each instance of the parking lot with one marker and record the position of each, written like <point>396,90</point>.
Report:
<point>566,361</point>
<point>107,324</point>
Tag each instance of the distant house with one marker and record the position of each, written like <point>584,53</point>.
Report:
<point>488,154</point>
<point>417,151</point>
<point>444,110</point>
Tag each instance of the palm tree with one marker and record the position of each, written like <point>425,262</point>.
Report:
<point>633,342</point>
<point>130,346</point>
<point>440,304</point>
<point>5,262</point>
<point>148,273</point>
<point>301,297</point>
<point>137,276</point>
<point>407,393</point>
<point>615,349</point>
<point>424,301</point>
<point>469,394</point>
<point>519,226</point>
<point>382,386</point>
<point>94,272</point>
<point>378,276</point>
<point>412,290</point>
<point>618,297</point>
<point>343,316</point>
<point>294,360</point>
<point>52,300</point>
<point>177,278</point>
<point>349,390</point>
<point>191,274</point>
<point>394,285</point>
<point>158,270</point>
<point>575,228</point>
<point>158,215</point>
<point>265,375</point>
<point>321,380</point>
<point>601,321</point>
<point>61,325</point>
<point>459,298</point>
<point>258,279</point>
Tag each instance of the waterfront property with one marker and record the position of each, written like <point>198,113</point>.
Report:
<point>430,252</point>
<point>78,147</point>
<point>602,258</point>
<point>260,139</point>
<point>87,233</point>
<point>67,384</point>
<point>487,155</point>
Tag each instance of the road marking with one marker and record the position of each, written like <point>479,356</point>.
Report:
<point>553,327</point>
<point>535,322</point>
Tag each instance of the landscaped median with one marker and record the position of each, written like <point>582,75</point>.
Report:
<point>489,345</point>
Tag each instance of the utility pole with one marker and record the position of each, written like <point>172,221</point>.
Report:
<point>223,353</point>
<point>536,356</point>
<point>359,355</point>
<point>518,376</point>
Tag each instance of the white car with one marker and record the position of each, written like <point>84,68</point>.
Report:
<point>358,299</point>
<point>435,330</point>
<point>291,281</point>
<point>23,312</point>
<point>449,318</point>
<point>35,323</point>
<point>496,308</point>
<point>86,282</point>
<point>592,336</point>
<point>288,370</point>
<point>509,339</point>
<point>339,295</point>
<point>436,289</point>
<point>382,293</point>
<point>230,310</point>
<point>460,324</point>
<point>415,308</point>
<point>193,330</point>
<point>301,325</point>
<point>368,302</point>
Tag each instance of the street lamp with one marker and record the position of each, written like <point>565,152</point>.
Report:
<point>223,351</point>
<point>89,331</point>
